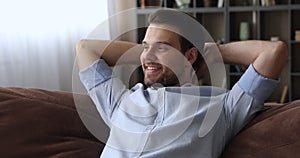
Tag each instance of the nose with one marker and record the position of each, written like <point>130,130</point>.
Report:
<point>149,54</point>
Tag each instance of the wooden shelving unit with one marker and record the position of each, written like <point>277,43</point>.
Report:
<point>280,20</point>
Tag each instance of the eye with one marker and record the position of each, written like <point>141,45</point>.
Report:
<point>162,47</point>
<point>145,46</point>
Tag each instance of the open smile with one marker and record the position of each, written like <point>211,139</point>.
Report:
<point>152,68</point>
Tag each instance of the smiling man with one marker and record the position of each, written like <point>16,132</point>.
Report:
<point>169,115</point>
<point>161,49</point>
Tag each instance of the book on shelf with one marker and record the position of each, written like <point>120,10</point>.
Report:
<point>297,35</point>
<point>267,2</point>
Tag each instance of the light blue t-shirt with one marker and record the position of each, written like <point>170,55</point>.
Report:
<point>173,122</point>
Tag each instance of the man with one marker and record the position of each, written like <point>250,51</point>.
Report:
<point>169,115</point>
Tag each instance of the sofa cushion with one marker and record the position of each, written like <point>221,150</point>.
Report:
<point>273,133</point>
<point>40,123</point>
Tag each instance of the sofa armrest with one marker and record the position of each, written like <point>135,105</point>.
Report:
<point>273,133</point>
<point>40,123</point>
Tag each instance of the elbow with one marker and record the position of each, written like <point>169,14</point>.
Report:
<point>79,45</point>
<point>281,51</point>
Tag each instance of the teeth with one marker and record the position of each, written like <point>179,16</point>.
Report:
<point>151,68</point>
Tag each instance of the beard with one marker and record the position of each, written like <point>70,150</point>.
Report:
<point>165,79</point>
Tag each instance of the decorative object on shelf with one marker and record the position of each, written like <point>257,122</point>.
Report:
<point>262,2</point>
<point>274,38</point>
<point>244,30</point>
<point>220,3</point>
<point>221,41</point>
<point>297,35</point>
<point>143,3</point>
<point>182,4</point>
<point>207,3</point>
<point>255,2</point>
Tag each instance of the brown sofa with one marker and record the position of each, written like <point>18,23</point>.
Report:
<point>41,123</point>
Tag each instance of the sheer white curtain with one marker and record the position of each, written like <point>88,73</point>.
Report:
<point>38,38</point>
<point>123,19</point>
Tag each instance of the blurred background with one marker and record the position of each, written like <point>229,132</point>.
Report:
<point>38,38</point>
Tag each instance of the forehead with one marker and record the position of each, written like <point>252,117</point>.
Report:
<point>164,26</point>
<point>160,32</point>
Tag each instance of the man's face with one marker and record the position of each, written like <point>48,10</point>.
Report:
<point>162,62</point>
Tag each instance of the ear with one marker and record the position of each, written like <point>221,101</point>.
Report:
<point>191,55</point>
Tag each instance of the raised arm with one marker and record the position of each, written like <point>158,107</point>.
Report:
<point>88,51</point>
<point>267,57</point>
